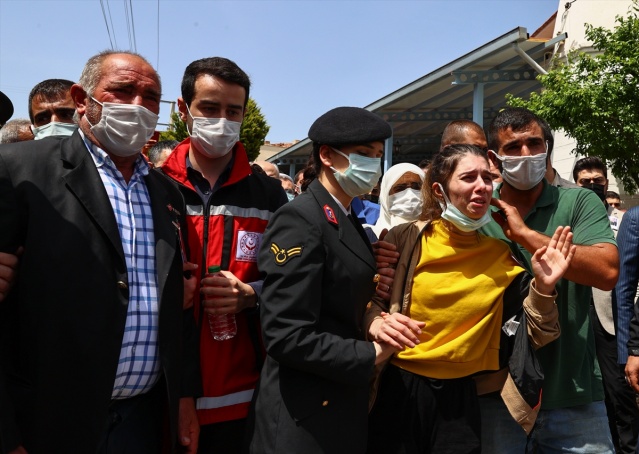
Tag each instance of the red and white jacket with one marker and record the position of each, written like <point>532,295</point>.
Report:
<point>227,231</point>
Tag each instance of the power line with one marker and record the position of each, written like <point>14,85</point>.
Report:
<point>106,22</point>
<point>112,27</point>
<point>128,25</point>
<point>135,44</point>
<point>157,64</point>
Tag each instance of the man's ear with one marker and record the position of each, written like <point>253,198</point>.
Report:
<point>493,159</point>
<point>80,98</point>
<point>182,109</point>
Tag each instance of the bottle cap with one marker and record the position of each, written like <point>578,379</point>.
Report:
<point>214,269</point>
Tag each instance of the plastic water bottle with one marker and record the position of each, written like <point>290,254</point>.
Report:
<point>223,326</point>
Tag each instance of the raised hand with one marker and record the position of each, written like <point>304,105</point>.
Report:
<point>549,263</point>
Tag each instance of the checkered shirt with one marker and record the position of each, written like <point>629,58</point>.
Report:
<point>139,365</point>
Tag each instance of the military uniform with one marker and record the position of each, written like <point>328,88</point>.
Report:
<point>320,275</point>
<point>313,392</point>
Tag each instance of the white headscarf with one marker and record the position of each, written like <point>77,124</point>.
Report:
<point>387,220</point>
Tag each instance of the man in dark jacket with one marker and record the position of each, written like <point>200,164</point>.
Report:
<point>93,334</point>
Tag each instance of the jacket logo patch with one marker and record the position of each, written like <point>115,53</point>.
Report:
<point>248,243</point>
<point>282,255</point>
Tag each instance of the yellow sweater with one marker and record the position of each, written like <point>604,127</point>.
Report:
<point>458,290</point>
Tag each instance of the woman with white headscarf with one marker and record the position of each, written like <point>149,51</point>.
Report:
<point>400,197</point>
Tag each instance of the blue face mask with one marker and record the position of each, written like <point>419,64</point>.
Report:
<point>53,129</point>
<point>361,176</point>
<point>453,215</point>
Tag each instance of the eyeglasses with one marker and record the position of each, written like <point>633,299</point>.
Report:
<point>587,181</point>
<point>615,204</point>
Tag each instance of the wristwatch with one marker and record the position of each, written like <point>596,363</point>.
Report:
<point>633,351</point>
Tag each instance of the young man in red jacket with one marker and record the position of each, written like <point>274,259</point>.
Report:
<point>228,208</point>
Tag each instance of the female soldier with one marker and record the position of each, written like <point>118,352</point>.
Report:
<point>320,274</point>
<point>458,282</point>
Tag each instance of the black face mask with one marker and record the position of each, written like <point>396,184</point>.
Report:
<point>599,189</point>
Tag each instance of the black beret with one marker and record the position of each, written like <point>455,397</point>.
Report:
<point>349,125</point>
<point>6,108</point>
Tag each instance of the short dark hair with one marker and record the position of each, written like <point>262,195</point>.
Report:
<point>423,164</point>
<point>612,195</point>
<point>216,67</point>
<point>516,118</point>
<point>50,90</point>
<point>589,163</point>
<point>156,150</point>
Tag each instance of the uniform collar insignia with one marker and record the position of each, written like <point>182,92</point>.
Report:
<point>330,214</point>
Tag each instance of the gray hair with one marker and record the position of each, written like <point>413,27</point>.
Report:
<point>10,132</point>
<point>92,72</point>
<point>155,152</point>
<point>283,177</point>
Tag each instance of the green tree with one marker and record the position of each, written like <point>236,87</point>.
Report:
<point>177,129</point>
<point>252,134</point>
<point>254,129</point>
<point>595,98</point>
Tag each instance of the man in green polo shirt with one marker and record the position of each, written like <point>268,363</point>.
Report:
<point>573,415</point>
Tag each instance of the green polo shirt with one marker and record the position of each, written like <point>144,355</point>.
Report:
<point>572,375</point>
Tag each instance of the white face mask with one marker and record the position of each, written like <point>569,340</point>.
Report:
<point>361,176</point>
<point>124,129</point>
<point>214,137</point>
<point>406,205</point>
<point>522,172</point>
<point>53,129</point>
